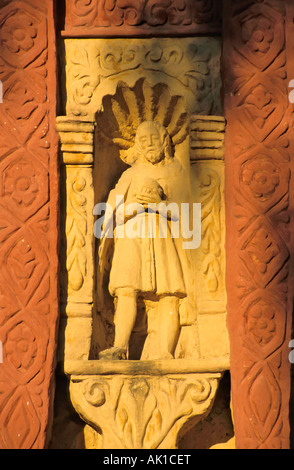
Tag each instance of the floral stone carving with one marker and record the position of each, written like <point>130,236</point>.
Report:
<point>141,410</point>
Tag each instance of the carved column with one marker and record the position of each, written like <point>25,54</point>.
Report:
<point>29,227</point>
<point>207,165</point>
<point>77,275</point>
<point>259,203</point>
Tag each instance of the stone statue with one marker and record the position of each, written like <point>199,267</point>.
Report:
<point>146,263</point>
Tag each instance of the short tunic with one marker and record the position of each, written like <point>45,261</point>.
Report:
<point>148,264</point>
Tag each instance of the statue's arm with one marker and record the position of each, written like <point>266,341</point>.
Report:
<point>106,240</point>
<point>115,198</point>
<point>120,190</point>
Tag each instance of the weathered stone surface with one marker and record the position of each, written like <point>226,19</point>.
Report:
<point>259,205</point>
<point>29,222</point>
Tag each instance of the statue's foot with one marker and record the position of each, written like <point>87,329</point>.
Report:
<point>112,354</point>
<point>163,356</point>
<point>167,356</point>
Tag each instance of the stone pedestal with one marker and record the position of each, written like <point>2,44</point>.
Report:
<point>143,404</point>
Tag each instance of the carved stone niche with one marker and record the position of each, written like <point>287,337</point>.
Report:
<point>160,387</point>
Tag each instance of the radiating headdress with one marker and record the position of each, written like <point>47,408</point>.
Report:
<point>129,107</point>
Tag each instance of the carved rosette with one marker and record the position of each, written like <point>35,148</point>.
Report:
<point>142,411</point>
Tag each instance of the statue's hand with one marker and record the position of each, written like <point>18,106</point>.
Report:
<point>149,196</point>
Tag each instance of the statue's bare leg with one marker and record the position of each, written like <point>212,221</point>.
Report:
<point>124,321</point>
<point>169,326</point>
<point>125,316</point>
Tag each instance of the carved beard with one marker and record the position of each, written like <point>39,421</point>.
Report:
<point>154,155</point>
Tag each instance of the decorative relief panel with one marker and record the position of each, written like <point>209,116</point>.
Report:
<point>144,87</point>
<point>141,18</point>
<point>29,222</point>
<point>259,232</point>
<point>95,66</point>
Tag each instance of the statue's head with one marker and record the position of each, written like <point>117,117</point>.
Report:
<point>152,143</point>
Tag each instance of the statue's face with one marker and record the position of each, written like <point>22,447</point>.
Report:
<point>150,142</point>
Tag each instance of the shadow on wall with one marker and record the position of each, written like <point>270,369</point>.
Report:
<point>216,430</point>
